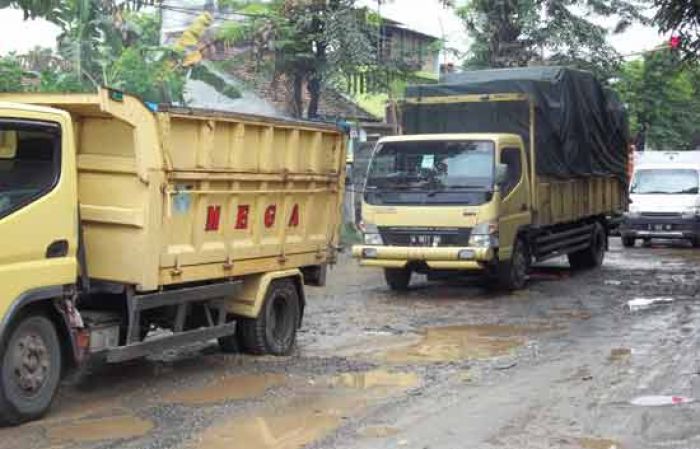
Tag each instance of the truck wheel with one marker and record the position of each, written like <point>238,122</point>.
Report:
<point>592,256</point>
<point>512,274</point>
<point>628,242</point>
<point>695,241</point>
<point>31,369</point>
<point>397,279</point>
<point>274,330</point>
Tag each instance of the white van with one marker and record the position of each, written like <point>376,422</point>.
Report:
<point>664,198</point>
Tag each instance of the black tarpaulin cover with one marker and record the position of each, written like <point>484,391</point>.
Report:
<point>580,128</point>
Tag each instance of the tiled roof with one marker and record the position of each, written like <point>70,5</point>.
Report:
<point>332,104</point>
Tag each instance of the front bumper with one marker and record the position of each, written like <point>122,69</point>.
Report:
<point>675,227</point>
<point>436,258</point>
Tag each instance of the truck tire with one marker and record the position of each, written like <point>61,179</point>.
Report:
<point>695,241</point>
<point>274,330</point>
<point>397,279</point>
<point>31,369</point>
<point>628,242</point>
<point>512,273</point>
<point>591,257</point>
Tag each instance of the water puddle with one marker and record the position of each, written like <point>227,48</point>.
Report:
<point>90,430</point>
<point>598,443</point>
<point>658,401</point>
<point>311,414</point>
<point>375,379</point>
<point>378,431</point>
<point>453,343</point>
<point>231,388</point>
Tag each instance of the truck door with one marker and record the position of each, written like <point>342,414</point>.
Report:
<point>515,198</point>
<point>38,206</point>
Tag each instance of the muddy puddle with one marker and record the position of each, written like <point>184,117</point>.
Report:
<point>310,415</point>
<point>598,443</point>
<point>378,431</point>
<point>454,343</point>
<point>92,430</point>
<point>230,388</point>
<point>619,354</point>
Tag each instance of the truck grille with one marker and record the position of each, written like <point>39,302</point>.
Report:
<point>401,236</point>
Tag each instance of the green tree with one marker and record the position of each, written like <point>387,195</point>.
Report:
<point>663,98</point>
<point>310,42</point>
<point>682,17</point>
<point>509,33</point>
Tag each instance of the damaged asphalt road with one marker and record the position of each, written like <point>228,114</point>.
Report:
<point>567,363</point>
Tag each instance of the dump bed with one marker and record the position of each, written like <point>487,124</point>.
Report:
<point>180,195</point>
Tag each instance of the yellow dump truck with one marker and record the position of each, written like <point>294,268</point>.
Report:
<point>117,219</point>
<point>497,169</point>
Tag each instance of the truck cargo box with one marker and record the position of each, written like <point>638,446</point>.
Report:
<point>179,195</point>
<point>580,128</point>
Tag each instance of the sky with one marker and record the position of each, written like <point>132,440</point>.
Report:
<point>426,16</point>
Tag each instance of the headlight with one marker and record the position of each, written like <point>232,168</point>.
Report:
<point>484,235</point>
<point>371,234</point>
<point>691,212</point>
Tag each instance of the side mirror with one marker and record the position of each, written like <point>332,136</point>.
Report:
<point>501,174</point>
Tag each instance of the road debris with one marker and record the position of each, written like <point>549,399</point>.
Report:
<point>645,303</point>
<point>658,400</point>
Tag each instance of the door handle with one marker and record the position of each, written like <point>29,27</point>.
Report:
<point>57,248</point>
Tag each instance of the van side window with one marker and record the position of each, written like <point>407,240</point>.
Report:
<point>511,157</point>
<point>29,162</point>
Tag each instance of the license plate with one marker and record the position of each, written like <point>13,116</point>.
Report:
<point>425,240</point>
<point>660,227</point>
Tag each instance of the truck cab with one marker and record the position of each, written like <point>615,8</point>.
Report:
<point>665,199</point>
<point>436,202</point>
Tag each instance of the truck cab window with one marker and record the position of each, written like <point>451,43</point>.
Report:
<point>29,162</point>
<point>511,158</point>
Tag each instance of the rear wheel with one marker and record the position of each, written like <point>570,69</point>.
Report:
<point>592,256</point>
<point>274,330</point>
<point>31,369</point>
<point>397,279</point>
<point>695,241</point>
<point>512,274</point>
<point>628,242</point>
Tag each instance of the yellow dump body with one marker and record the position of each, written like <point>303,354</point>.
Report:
<point>182,196</point>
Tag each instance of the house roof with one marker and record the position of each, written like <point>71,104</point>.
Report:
<point>332,104</point>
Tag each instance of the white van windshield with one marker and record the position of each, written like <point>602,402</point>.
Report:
<point>665,181</point>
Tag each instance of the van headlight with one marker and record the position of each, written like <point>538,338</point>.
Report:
<point>484,235</point>
<point>371,234</point>
<point>691,212</point>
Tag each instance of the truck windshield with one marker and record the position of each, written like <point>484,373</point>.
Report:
<point>431,172</point>
<point>665,181</point>
<point>29,162</point>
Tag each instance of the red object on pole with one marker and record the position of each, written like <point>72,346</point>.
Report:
<point>674,42</point>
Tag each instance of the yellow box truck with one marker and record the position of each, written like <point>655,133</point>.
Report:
<point>117,219</point>
<point>495,170</point>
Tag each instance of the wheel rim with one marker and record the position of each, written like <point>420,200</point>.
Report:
<point>30,363</point>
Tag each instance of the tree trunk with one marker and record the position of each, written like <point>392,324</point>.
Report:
<point>314,88</point>
<point>297,105</point>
